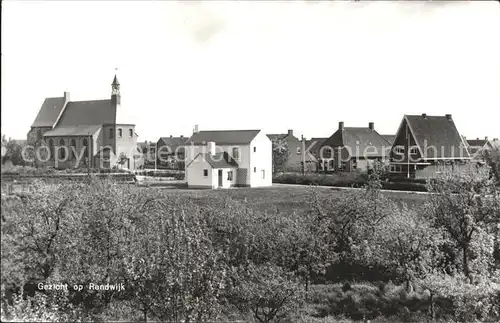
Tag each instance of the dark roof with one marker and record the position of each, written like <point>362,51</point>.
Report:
<point>278,136</point>
<point>358,140</point>
<point>317,144</point>
<point>390,138</point>
<point>143,144</point>
<point>78,130</point>
<point>172,142</point>
<point>477,142</point>
<point>223,137</point>
<point>96,112</point>
<point>115,81</point>
<point>48,113</point>
<point>219,160</point>
<point>439,132</point>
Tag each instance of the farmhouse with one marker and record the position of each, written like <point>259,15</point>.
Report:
<point>426,146</point>
<point>353,148</point>
<point>226,158</point>
<point>96,133</point>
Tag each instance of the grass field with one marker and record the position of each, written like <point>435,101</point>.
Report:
<point>284,197</point>
<point>281,197</point>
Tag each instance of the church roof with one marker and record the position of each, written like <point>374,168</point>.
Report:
<point>82,130</point>
<point>48,113</point>
<point>95,112</point>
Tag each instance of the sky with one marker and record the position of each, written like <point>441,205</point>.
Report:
<point>270,65</point>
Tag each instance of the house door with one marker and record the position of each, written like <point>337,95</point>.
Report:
<point>220,177</point>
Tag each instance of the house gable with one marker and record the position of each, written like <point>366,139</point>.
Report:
<point>437,137</point>
<point>404,138</point>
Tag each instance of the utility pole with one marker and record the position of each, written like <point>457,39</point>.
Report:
<point>88,155</point>
<point>156,155</point>
<point>303,142</point>
<point>408,152</point>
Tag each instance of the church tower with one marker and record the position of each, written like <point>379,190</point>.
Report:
<point>115,92</point>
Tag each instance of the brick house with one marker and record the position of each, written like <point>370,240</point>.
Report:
<point>95,133</point>
<point>426,146</point>
<point>171,151</point>
<point>295,149</point>
<point>353,148</point>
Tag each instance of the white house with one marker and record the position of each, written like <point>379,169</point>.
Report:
<point>226,158</point>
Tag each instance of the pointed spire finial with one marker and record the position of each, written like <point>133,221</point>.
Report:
<point>115,80</point>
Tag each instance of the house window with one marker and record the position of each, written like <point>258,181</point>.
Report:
<point>254,149</point>
<point>414,150</point>
<point>327,153</point>
<point>396,169</point>
<point>51,148</point>
<point>399,150</point>
<point>255,169</point>
<point>298,151</point>
<point>130,133</point>
<point>236,153</point>
<point>85,145</point>
<point>62,149</point>
<point>205,172</point>
<point>73,148</point>
<point>263,173</point>
<point>230,175</point>
<point>119,133</point>
<point>111,133</point>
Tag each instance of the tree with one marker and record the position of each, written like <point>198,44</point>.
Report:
<point>280,155</point>
<point>173,269</point>
<point>405,243</point>
<point>492,158</point>
<point>467,208</point>
<point>12,151</point>
<point>268,292</point>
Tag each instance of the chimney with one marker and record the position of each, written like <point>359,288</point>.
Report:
<point>211,147</point>
<point>448,116</point>
<point>477,138</point>
<point>424,115</point>
<point>182,136</point>
<point>341,125</point>
<point>290,132</point>
<point>170,136</point>
<point>486,138</point>
<point>66,96</point>
<point>195,130</point>
<point>371,125</point>
<point>495,139</point>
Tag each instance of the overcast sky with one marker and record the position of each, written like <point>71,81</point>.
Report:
<point>256,65</point>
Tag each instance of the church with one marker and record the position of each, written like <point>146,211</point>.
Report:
<point>95,133</point>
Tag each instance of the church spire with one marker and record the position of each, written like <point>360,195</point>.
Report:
<point>115,90</point>
<point>115,86</point>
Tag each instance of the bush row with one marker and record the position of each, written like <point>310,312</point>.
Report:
<point>346,180</point>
